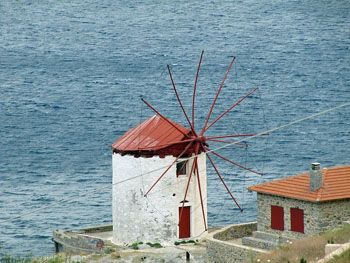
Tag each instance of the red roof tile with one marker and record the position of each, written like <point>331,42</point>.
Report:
<point>152,135</point>
<point>336,185</point>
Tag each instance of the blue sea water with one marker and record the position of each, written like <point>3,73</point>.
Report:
<point>72,74</point>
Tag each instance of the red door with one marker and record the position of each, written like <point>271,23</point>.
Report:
<point>277,217</point>
<point>297,220</point>
<point>185,223</point>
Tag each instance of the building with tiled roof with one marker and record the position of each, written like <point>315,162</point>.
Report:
<point>305,204</point>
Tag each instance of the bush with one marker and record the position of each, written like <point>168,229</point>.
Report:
<point>135,245</point>
<point>176,243</point>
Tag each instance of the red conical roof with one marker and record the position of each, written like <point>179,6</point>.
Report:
<point>153,136</point>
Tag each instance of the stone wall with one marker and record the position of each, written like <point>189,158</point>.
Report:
<point>224,252</point>
<point>228,250</point>
<point>236,231</point>
<point>98,229</point>
<point>318,217</point>
<point>74,242</point>
<point>333,214</point>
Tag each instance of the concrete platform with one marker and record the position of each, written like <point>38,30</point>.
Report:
<point>98,240</point>
<point>105,236</point>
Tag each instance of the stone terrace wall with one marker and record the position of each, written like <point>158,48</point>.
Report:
<point>236,231</point>
<point>220,250</point>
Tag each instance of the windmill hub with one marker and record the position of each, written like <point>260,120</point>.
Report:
<point>201,139</point>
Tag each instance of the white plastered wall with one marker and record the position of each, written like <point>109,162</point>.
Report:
<point>155,218</point>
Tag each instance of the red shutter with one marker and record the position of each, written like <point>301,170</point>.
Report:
<point>277,217</point>
<point>185,224</point>
<point>297,220</point>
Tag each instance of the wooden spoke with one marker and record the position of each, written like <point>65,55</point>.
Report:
<point>169,144</point>
<point>195,88</point>
<point>179,100</point>
<point>230,136</point>
<point>217,95</point>
<point>223,182</point>
<point>200,194</point>
<point>240,144</point>
<point>187,186</point>
<point>157,112</point>
<point>177,158</point>
<point>230,109</point>
<point>236,164</point>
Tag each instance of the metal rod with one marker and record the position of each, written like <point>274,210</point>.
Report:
<point>231,108</point>
<point>169,144</point>
<point>188,184</point>
<point>138,129</point>
<point>172,124</point>
<point>236,164</point>
<point>184,163</point>
<point>179,100</point>
<point>146,138</point>
<point>217,95</point>
<point>200,194</point>
<point>177,158</point>
<point>223,182</point>
<point>195,88</point>
<point>240,144</point>
<point>230,136</point>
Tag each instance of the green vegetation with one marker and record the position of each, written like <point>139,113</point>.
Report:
<point>309,249</point>
<point>342,258</point>
<point>135,245</point>
<point>176,243</point>
<point>154,245</point>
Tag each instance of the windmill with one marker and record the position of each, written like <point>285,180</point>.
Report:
<point>197,139</point>
<point>160,144</point>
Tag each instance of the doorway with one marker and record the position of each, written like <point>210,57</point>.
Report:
<point>185,223</point>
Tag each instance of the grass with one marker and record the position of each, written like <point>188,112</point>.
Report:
<point>307,249</point>
<point>342,258</point>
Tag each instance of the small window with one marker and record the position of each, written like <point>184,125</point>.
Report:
<point>277,217</point>
<point>181,168</point>
<point>297,220</point>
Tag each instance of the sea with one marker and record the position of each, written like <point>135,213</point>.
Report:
<point>72,75</point>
